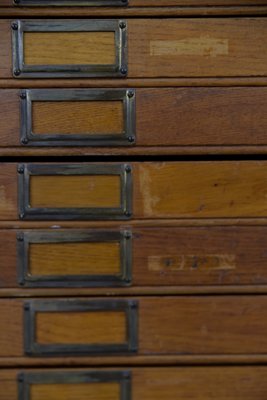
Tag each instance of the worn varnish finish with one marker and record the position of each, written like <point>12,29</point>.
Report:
<point>187,116</point>
<point>161,256</point>
<point>183,48</point>
<point>221,189</point>
<point>197,48</point>
<point>188,325</point>
<point>233,383</point>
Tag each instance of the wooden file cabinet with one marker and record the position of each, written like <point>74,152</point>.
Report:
<point>133,199</point>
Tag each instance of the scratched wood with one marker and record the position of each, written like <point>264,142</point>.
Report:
<point>232,382</point>
<point>187,325</point>
<point>178,48</point>
<point>197,47</point>
<point>188,116</point>
<point>161,190</point>
<point>215,256</point>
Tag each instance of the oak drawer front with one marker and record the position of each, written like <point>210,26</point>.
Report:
<point>134,117</point>
<point>217,382</point>
<point>220,257</point>
<point>147,190</point>
<point>69,48</point>
<point>172,48</point>
<point>155,49</point>
<point>192,326</point>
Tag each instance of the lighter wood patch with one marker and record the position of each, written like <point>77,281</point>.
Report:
<point>192,262</point>
<point>202,46</point>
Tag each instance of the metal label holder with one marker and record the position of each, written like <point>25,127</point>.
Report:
<point>126,138</point>
<point>26,211</point>
<point>74,3</point>
<point>25,380</point>
<point>25,239</point>
<point>32,307</point>
<point>22,70</point>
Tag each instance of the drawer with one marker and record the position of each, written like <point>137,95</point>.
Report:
<point>132,3</point>
<point>156,48</point>
<point>192,326</point>
<point>189,117</point>
<point>222,383</point>
<point>222,257</point>
<point>148,190</point>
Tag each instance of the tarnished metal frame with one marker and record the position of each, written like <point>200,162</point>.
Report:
<point>28,137</point>
<point>32,348</point>
<point>26,379</point>
<point>25,171</point>
<point>21,70</point>
<point>74,3</point>
<point>24,239</point>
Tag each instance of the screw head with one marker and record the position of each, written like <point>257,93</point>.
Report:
<point>128,168</point>
<point>127,235</point>
<point>20,170</point>
<point>20,238</point>
<point>14,26</point>
<point>20,378</point>
<point>24,141</point>
<point>130,93</point>
<point>26,306</point>
<point>131,139</point>
<point>17,72</point>
<point>122,25</point>
<point>123,70</point>
<point>22,95</point>
<point>21,216</point>
<point>127,213</point>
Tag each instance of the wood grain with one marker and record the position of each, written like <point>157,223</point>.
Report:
<point>183,48</point>
<point>79,117</point>
<point>197,48</point>
<point>59,48</point>
<point>188,116</point>
<point>184,3</point>
<point>5,49</point>
<point>188,326</point>
<point>81,391</point>
<point>201,116</point>
<point>233,383</point>
<point>200,189</point>
<point>186,258</point>
<point>74,259</point>
<point>162,190</point>
<point>86,191</point>
<point>95,327</point>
